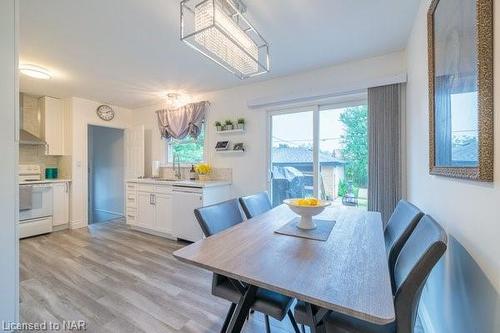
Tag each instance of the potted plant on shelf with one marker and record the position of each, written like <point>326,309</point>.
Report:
<point>203,170</point>
<point>218,125</point>
<point>241,123</point>
<point>228,125</point>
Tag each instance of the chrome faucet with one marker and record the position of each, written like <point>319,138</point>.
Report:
<point>177,171</point>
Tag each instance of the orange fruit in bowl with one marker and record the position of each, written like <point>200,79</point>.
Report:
<point>307,202</point>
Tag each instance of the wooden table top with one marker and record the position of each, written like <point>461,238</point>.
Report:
<point>348,273</point>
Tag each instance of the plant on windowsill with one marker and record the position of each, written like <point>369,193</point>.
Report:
<point>241,123</point>
<point>218,125</point>
<point>228,125</point>
<point>203,170</point>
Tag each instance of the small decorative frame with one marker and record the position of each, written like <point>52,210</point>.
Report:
<point>483,168</point>
<point>239,146</point>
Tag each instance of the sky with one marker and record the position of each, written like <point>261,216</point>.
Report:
<point>464,114</point>
<point>296,129</point>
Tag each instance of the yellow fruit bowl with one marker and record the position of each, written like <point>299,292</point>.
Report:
<point>307,208</point>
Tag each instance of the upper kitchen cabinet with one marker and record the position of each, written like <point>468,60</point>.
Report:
<point>53,125</point>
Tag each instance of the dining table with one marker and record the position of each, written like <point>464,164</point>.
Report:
<point>348,273</point>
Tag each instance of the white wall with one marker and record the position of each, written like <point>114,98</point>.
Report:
<point>249,169</point>
<point>83,113</point>
<point>9,127</point>
<point>462,293</point>
<point>108,167</point>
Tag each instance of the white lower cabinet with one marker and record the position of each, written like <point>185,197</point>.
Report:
<point>163,217</point>
<point>153,210</point>
<point>168,210</point>
<point>145,210</point>
<point>60,211</point>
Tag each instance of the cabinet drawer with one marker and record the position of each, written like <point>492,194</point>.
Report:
<point>131,186</point>
<point>145,188</point>
<point>164,189</point>
<point>131,216</point>
<point>131,212</point>
<point>131,199</point>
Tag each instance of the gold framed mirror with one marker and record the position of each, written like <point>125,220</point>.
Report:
<point>460,51</point>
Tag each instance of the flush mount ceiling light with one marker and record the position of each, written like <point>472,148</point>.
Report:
<point>36,72</point>
<point>219,30</point>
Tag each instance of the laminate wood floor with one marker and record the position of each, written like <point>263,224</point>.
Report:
<point>119,280</point>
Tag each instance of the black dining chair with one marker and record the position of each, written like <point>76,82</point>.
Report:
<point>221,216</point>
<point>397,230</point>
<point>256,204</point>
<point>423,249</point>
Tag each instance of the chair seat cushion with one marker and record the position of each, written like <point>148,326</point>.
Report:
<point>300,312</point>
<point>338,322</point>
<point>266,301</point>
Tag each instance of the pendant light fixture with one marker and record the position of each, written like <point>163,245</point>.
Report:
<point>219,30</point>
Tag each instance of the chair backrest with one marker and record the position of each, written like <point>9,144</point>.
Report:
<point>419,255</point>
<point>218,217</point>
<point>256,204</point>
<point>399,227</point>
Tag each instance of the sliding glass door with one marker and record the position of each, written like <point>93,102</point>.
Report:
<point>320,151</point>
<point>292,167</point>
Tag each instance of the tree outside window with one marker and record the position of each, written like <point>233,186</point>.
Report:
<point>188,150</point>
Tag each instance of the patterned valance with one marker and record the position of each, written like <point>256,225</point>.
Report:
<point>183,121</point>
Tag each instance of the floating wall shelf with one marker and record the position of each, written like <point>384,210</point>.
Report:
<point>233,131</point>
<point>230,151</point>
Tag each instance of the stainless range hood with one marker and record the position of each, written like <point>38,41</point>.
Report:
<point>25,137</point>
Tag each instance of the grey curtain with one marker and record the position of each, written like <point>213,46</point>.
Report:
<point>385,105</point>
<point>183,121</point>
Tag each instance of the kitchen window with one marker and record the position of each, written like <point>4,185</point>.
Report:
<point>188,150</point>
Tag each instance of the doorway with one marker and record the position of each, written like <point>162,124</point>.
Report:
<point>320,151</point>
<point>106,172</point>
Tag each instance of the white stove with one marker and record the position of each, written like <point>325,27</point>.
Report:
<point>35,202</point>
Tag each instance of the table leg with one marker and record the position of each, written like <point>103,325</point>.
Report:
<point>312,318</point>
<point>228,318</point>
<point>316,322</point>
<point>241,311</point>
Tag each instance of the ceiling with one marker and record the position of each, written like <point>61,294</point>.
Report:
<point>128,52</point>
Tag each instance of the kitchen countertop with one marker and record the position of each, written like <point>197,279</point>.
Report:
<point>189,183</point>
<point>46,181</point>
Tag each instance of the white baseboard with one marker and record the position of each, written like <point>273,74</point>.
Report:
<point>109,212</point>
<point>152,232</point>
<point>425,319</point>
<point>77,225</point>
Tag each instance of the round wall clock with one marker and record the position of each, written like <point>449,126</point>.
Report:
<point>105,112</point>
